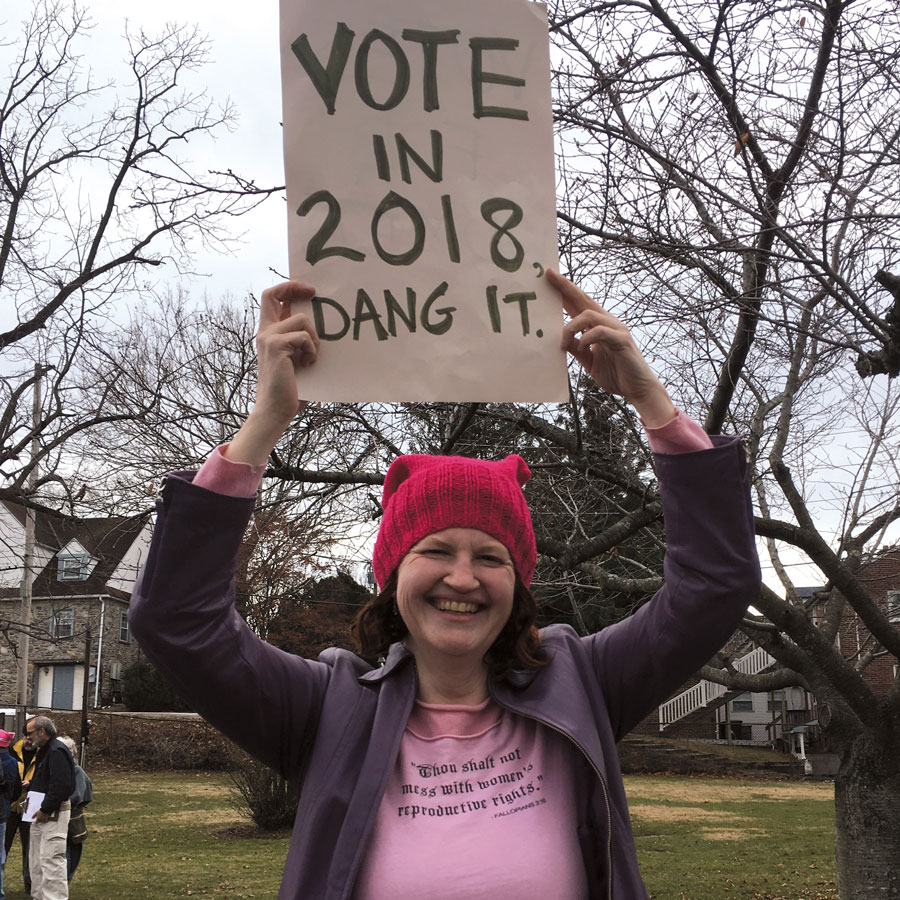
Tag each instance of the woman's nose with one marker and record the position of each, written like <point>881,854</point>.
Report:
<point>461,576</point>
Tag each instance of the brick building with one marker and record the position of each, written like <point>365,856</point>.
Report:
<point>881,578</point>
<point>85,570</point>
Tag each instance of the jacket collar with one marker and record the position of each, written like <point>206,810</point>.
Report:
<point>398,655</point>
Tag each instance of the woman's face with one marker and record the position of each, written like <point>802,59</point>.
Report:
<point>455,593</point>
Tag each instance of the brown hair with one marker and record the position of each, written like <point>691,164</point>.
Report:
<point>518,646</point>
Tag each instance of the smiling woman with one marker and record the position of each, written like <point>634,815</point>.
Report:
<point>478,761</point>
<point>457,531</point>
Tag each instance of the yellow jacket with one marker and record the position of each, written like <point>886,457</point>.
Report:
<point>25,773</point>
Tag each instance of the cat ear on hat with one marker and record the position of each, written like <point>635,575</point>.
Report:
<point>398,472</point>
<point>517,468</point>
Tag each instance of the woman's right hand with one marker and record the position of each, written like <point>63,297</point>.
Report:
<point>285,343</point>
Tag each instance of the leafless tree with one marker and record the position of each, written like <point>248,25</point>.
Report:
<point>177,381</point>
<point>729,178</point>
<point>95,197</point>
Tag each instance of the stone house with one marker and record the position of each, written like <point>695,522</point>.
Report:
<point>85,570</point>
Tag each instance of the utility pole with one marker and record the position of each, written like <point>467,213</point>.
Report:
<point>24,644</point>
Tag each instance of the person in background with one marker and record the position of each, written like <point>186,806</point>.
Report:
<point>9,790</point>
<point>54,777</point>
<point>81,796</point>
<point>23,751</point>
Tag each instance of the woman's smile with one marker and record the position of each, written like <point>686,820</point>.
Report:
<point>456,606</point>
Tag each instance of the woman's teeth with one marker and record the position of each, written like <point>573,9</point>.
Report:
<point>456,606</point>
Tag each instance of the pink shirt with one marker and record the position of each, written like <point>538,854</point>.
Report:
<point>480,805</point>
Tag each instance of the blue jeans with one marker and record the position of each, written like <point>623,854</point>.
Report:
<point>2,857</point>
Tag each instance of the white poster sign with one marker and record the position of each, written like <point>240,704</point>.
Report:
<point>32,805</point>
<point>420,183</point>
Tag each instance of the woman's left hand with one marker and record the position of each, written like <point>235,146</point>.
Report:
<point>607,352</point>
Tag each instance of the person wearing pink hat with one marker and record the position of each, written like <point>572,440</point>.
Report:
<point>23,752</point>
<point>478,760</point>
<point>10,786</point>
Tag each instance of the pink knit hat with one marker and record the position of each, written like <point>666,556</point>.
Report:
<point>425,494</point>
<point>6,738</point>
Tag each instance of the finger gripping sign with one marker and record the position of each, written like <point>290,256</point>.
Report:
<point>421,205</point>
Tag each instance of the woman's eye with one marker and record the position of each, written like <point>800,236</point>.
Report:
<point>492,560</point>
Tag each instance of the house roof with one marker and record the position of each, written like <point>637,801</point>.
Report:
<point>107,539</point>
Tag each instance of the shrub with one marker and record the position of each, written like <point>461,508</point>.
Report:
<point>260,792</point>
<point>145,690</point>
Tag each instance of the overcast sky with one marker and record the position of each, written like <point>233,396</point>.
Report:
<point>245,67</point>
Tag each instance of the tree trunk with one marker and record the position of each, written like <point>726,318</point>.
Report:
<point>867,819</point>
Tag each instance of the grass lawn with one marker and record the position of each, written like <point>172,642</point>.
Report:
<point>713,838</point>
<point>175,835</point>
<point>739,753</point>
<point>155,835</point>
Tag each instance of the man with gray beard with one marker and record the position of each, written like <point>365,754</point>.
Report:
<point>54,777</point>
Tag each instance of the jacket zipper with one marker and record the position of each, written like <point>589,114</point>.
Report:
<point>586,755</point>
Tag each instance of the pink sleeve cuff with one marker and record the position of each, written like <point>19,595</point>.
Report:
<point>681,435</point>
<point>234,479</point>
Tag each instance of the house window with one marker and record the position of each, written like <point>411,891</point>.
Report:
<point>62,623</point>
<point>124,628</point>
<point>893,607</point>
<point>73,567</point>
<point>744,703</point>
<point>775,700</point>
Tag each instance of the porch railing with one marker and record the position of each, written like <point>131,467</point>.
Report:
<point>704,692</point>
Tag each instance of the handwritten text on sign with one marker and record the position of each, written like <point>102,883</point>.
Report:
<point>419,161</point>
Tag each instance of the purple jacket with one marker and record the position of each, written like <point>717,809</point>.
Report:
<point>335,723</point>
